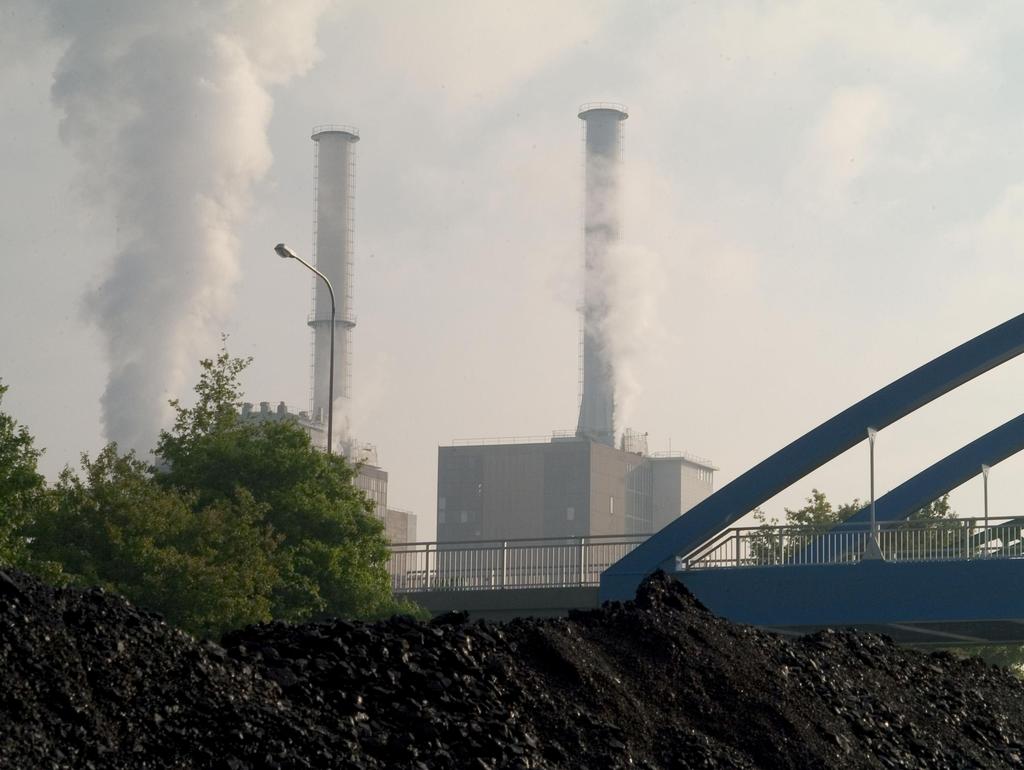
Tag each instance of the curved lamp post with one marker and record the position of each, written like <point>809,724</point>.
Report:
<point>872,549</point>
<point>984,473</point>
<point>285,253</point>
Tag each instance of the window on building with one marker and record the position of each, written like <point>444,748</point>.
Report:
<point>570,513</point>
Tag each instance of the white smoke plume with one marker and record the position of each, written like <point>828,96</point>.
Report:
<point>166,104</point>
<point>632,281</point>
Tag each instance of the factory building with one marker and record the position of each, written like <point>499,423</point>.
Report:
<point>566,487</point>
<point>400,526</point>
<point>679,481</point>
<point>315,429</point>
<point>577,484</point>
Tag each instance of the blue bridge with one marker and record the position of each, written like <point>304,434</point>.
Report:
<point>947,582</point>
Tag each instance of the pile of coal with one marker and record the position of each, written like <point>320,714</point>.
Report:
<point>87,680</point>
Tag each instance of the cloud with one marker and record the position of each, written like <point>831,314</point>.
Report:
<point>461,53</point>
<point>912,40</point>
<point>23,29</point>
<point>844,141</point>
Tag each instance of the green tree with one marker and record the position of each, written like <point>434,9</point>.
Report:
<point>936,510</point>
<point>23,495</point>
<point>818,515</point>
<point>206,567</point>
<point>332,556</point>
<point>20,485</point>
<point>774,544</point>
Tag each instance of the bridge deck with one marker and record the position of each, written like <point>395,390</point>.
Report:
<point>942,583</point>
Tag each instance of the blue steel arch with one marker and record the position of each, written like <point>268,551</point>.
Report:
<point>938,479</point>
<point>812,450</point>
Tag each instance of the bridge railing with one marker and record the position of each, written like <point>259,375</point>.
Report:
<point>523,563</point>
<point>941,540</point>
<point>579,561</point>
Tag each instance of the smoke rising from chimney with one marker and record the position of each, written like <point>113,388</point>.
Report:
<point>603,134</point>
<point>620,286</point>
<point>166,106</point>
<point>626,327</point>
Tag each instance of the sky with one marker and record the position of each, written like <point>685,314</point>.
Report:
<point>818,198</point>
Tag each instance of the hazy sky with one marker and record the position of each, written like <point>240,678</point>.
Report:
<point>819,198</point>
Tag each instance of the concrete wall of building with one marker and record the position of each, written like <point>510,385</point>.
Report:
<point>374,482</point>
<point>697,484</point>
<point>608,469</point>
<point>566,489</point>
<point>678,485</point>
<point>668,488</point>
<point>563,488</point>
<point>513,493</point>
<point>510,491</point>
<point>400,526</point>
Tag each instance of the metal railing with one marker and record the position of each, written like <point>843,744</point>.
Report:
<point>492,440</point>
<point>602,106</point>
<point>496,564</point>
<point>690,458</point>
<point>579,561</point>
<point>943,540</point>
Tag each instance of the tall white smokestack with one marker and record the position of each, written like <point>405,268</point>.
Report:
<point>601,232</point>
<point>334,192</point>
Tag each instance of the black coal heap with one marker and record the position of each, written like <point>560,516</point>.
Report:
<point>89,681</point>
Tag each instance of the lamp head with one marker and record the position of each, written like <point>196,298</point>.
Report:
<point>284,252</point>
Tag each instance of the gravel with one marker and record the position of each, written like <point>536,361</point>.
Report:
<point>89,681</point>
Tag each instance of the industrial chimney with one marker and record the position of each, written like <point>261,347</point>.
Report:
<point>334,192</point>
<point>603,124</point>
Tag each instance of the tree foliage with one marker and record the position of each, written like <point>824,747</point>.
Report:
<point>776,543</point>
<point>331,560</point>
<point>23,494</point>
<point>818,515</point>
<point>936,510</point>
<point>20,484</point>
<point>243,522</point>
<point>206,568</point>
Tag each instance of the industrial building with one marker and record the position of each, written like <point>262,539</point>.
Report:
<point>566,487</point>
<point>577,484</point>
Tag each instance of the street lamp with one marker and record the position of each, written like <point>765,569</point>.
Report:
<point>871,443</point>
<point>285,253</point>
<point>984,475</point>
<point>872,550</point>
